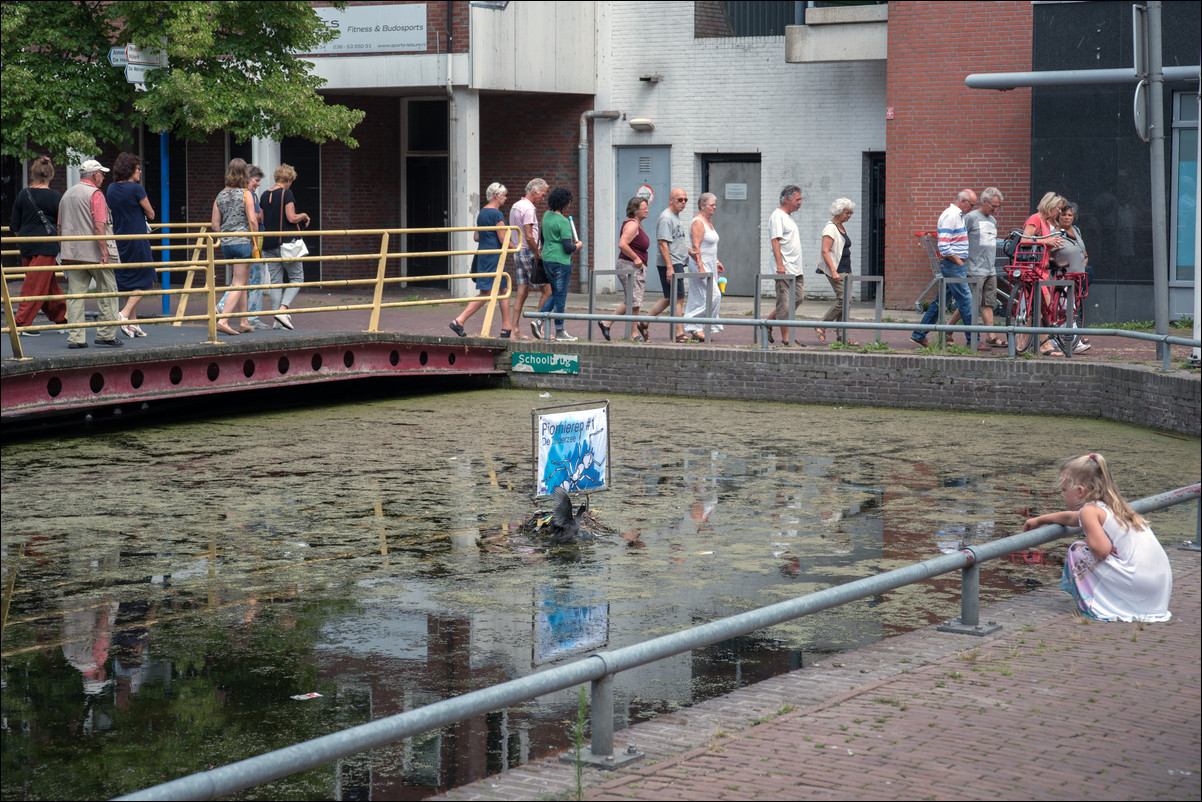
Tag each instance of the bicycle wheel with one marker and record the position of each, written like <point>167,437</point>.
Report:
<point>1018,313</point>
<point>1059,318</point>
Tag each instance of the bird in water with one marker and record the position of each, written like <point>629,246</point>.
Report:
<point>564,526</point>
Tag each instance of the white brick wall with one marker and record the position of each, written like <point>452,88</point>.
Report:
<point>811,123</point>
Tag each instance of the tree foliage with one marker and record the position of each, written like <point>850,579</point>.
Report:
<point>230,67</point>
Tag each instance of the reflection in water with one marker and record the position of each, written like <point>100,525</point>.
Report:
<point>149,640</point>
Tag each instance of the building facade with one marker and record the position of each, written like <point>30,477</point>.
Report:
<point>738,99</point>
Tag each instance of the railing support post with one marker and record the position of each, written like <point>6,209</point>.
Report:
<point>600,754</point>
<point>602,711</point>
<point>373,323</point>
<point>970,603</point>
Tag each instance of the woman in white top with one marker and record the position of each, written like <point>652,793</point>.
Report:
<point>703,258</point>
<point>836,258</point>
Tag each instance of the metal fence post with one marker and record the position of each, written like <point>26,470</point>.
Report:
<point>970,602</point>
<point>602,711</point>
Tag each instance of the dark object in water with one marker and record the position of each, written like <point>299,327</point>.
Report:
<point>564,526</point>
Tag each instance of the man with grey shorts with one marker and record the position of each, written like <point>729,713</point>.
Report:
<point>524,215</point>
<point>672,238</point>
<point>982,251</point>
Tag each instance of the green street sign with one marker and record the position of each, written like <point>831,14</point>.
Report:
<point>546,363</point>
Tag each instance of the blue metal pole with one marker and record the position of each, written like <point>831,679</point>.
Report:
<point>165,214</point>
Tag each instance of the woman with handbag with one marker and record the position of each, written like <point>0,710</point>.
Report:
<point>33,212</point>
<point>234,212</point>
<point>131,212</point>
<point>279,213</point>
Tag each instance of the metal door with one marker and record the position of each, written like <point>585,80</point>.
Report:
<point>874,223</point>
<point>645,172</point>
<point>737,185</point>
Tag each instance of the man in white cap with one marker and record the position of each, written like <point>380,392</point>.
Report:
<point>83,212</point>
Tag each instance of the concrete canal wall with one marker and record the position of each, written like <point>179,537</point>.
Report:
<point>1120,392</point>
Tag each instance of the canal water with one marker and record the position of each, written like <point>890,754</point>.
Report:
<point>169,591</point>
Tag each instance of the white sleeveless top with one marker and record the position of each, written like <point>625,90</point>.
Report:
<point>1133,584</point>
<point>709,247</point>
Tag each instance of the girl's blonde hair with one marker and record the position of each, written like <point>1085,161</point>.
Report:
<point>1089,471</point>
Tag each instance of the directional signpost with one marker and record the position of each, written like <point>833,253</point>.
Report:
<point>137,63</point>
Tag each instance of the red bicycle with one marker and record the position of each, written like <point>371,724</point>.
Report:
<point>1029,265</point>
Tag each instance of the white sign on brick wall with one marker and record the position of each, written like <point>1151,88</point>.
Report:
<point>375,29</point>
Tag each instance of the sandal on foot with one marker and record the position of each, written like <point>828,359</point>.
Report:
<point>128,331</point>
<point>505,334</point>
<point>995,342</point>
<point>645,331</point>
<point>457,327</point>
<point>770,338</point>
<point>680,338</point>
<point>604,330</point>
<point>821,334</point>
<point>697,336</point>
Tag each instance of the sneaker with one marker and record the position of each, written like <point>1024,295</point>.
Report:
<point>563,336</point>
<point>255,323</point>
<point>1081,347</point>
<point>77,345</point>
<point>284,320</point>
<point>536,328</point>
<point>114,343</point>
<point>31,334</point>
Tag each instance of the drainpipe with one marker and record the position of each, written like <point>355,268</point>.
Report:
<point>452,119</point>
<point>583,163</point>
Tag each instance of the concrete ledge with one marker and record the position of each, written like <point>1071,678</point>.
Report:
<point>852,33</point>
<point>1122,393</point>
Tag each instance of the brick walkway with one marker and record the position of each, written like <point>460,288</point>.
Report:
<point>1053,706</point>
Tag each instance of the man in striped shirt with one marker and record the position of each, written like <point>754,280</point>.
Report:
<point>953,262</point>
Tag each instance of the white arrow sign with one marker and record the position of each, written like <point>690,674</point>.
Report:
<point>136,55</point>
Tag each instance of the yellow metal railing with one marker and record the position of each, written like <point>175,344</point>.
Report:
<point>204,243</point>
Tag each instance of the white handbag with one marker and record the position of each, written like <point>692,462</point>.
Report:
<point>294,250</point>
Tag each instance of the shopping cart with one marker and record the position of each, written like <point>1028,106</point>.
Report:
<point>930,243</point>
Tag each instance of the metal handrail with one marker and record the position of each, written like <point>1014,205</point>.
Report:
<point>599,668</point>
<point>874,325</point>
<point>203,259</point>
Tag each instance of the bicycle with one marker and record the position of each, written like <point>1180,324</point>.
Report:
<point>1029,265</point>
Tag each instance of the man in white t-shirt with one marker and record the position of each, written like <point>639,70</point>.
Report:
<point>786,252</point>
<point>525,215</point>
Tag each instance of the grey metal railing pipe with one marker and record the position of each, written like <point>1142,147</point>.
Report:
<point>292,759</point>
<point>872,325</point>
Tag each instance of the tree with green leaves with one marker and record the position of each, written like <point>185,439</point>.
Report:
<point>230,66</point>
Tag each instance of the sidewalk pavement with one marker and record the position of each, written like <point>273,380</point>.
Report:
<point>428,318</point>
<point>1052,706</point>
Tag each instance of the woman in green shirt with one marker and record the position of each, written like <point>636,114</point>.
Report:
<point>558,245</point>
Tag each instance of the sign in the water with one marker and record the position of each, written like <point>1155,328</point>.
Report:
<point>545,363</point>
<point>571,448</point>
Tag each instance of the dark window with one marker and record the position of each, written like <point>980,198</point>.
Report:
<point>428,126</point>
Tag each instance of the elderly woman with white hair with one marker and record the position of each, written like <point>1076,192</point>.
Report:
<point>486,263</point>
<point>703,258</point>
<point>836,258</point>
